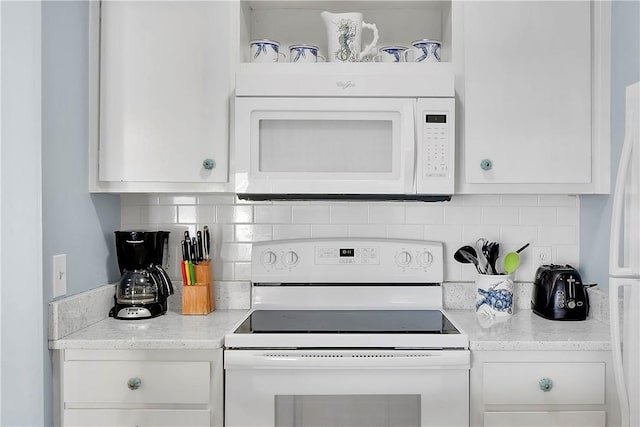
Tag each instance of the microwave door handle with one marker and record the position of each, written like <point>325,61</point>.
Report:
<point>415,145</point>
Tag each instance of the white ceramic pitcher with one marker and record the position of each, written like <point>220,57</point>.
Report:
<point>344,33</point>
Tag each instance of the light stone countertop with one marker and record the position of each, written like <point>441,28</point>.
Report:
<point>522,331</point>
<point>170,331</point>
<point>527,331</point>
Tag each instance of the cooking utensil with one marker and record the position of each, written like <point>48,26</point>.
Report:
<point>483,264</point>
<point>207,242</point>
<point>511,260</point>
<point>490,251</point>
<point>467,255</point>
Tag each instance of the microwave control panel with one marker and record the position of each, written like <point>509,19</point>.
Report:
<point>435,141</point>
<point>435,125</point>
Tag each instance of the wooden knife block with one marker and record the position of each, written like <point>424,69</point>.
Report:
<point>198,298</point>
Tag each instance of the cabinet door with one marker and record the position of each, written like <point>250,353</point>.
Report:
<point>136,417</point>
<point>164,91</point>
<point>545,419</point>
<point>527,92</point>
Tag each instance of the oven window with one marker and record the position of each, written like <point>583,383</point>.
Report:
<point>322,145</point>
<point>388,410</point>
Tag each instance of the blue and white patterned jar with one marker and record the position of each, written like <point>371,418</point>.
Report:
<point>304,53</point>
<point>391,54</point>
<point>426,50</point>
<point>265,50</point>
<point>494,295</point>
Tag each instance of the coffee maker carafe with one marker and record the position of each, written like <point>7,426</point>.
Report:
<point>144,286</point>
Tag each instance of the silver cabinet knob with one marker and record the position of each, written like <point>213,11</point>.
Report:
<point>134,383</point>
<point>208,164</point>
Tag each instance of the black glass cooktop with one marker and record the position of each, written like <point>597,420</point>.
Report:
<point>347,321</point>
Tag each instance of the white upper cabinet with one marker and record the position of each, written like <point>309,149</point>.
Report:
<point>164,89</point>
<point>533,96</point>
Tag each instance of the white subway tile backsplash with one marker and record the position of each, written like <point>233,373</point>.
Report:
<point>481,200</point>
<point>217,199</point>
<point>538,216</point>
<point>424,214</point>
<point>557,235</point>
<point>177,200</point>
<point>514,237</point>
<point>352,213</point>
<point>462,215</point>
<point>519,200</point>
<point>500,215</point>
<point>273,214</point>
<point>386,214</point>
<point>129,214</point>
<point>567,254</point>
<point>558,200</point>
<point>235,252</point>
<point>512,220</point>
<point>471,233</point>
<point>329,231</point>
<point>310,214</point>
<point>444,233</point>
<point>156,214</point>
<point>196,214</point>
<point>281,231</point>
<point>242,271</point>
<point>414,231</point>
<point>234,214</point>
<point>369,230</point>
<point>568,216</point>
<point>253,233</point>
<point>138,199</point>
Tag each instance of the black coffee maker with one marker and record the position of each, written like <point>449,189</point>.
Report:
<point>144,286</point>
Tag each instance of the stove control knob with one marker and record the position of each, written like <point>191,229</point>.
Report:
<point>268,258</point>
<point>291,258</point>
<point>403,258</point>
<point>425,259</point>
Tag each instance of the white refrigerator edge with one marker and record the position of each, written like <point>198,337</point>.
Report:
<point>624,266</point>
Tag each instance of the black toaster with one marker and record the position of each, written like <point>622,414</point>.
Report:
<point>559,294</point>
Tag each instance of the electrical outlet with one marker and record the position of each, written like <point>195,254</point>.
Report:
<point>542,255</point>
<point>59,275</point>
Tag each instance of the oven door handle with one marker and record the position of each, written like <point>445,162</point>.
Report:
<point>345,359</point>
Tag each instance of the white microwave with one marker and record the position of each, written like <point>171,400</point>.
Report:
<point>337,131</point>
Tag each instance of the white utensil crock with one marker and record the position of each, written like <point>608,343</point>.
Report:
<point>494,295</point>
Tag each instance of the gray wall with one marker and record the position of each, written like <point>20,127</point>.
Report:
<point>21,336</point>
<point>75,222</point>
<point>595,211</point>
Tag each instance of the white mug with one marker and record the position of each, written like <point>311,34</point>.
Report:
<point>425,51</point>
<point>344,36</point>
<point>266,50</point>
<point>391,54</point>
<point>304,53</point>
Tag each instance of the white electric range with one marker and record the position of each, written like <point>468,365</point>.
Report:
<point>347,332</point>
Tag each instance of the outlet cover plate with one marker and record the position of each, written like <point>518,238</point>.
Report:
<point>59,275</point>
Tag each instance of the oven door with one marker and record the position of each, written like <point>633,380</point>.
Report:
<point>324,145</point>
<point>391,388</point>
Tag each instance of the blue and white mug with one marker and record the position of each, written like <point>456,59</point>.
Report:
<point>305,53</point>
<point>266,50</point>
<point>425,50</point>
<point>391,54</point>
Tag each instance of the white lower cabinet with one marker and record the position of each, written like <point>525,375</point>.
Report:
<point>542,388</point>
<point>139,388</point>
